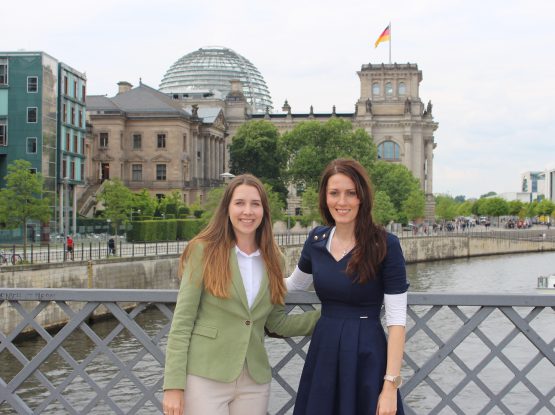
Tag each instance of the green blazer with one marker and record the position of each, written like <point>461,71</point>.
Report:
<point>213,337</point>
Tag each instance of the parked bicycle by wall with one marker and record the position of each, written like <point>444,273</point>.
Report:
<point>10,258</point>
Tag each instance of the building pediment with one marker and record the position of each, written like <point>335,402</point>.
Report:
<point>160,158</point>
<point>135,158</point>
<point>104,157</point>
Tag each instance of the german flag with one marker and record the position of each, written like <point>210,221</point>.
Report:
<point>384,37</point>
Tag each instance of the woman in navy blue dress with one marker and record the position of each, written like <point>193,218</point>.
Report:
<point>351,367</point>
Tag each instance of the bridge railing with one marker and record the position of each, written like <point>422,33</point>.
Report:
<point>464,353</point>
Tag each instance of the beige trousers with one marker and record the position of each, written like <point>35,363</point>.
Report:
<point>243,396</point>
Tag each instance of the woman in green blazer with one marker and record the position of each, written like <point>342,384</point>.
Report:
<point>232,287</point>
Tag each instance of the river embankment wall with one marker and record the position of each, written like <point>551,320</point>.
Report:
<point>161,272</point>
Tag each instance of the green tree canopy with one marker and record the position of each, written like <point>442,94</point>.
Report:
<point>309,205</point>
<point>118,202</point>
<point>144,202</point>
<point>22,198</point>
<point>495,206</point>
<point>383,210</point>
<point>545,207</point>
<point>413,205</point>
<point>394,179</point>
<point>515,207</point>
<point>465,208</point>
<point>446,207</point>
<point>256,149</point>
<point>311,145</point>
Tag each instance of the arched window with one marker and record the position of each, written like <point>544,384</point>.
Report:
<point>388,89</point>
<point>389,150</point>
<point>402,88</point>
<point>375,88</point>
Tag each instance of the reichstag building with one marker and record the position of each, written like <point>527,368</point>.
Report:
<point>176,137</point>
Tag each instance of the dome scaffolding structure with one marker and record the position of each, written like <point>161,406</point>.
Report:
<point>211,69</point>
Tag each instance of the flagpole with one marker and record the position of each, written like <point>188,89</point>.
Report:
<point>390,40</point>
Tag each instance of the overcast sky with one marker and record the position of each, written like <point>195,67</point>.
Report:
<point>487,65</point>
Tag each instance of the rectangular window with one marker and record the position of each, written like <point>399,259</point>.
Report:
<point>3,72</point>
<point>67,142</point>
<point>161,140</point>
<point>137,172</point>
<point>75,89</point>
<point>103,140</point>
<point>82,146</point>
<point>65,85</point>
<point>82,171</point>
<point>32,84</point>
<point>32,114</point>
<point>83,92</point>
<point>72,173</point>
<point>81,119</point>
<point>3,134</point>
<point>33,171</point>
<point>31,145</point>
<point>160,172</point>
<point>64,169</point>
<point>64,115</point>
<point>137,141</point>
<point>75,143</point>
<point>72,115</point>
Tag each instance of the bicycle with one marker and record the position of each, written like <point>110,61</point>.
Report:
<point>14,259</point>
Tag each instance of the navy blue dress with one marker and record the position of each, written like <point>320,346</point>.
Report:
<point>347,358</point>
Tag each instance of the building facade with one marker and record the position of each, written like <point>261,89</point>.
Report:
<point>34,127</point>
<point>150,141</point>
<point>391,111</point>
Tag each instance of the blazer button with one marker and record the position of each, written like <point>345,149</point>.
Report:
<point>247,322</point>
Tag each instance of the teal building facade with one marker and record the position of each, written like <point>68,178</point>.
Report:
<point>42,120</point>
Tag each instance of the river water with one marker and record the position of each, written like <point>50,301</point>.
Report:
<point>514,274</point>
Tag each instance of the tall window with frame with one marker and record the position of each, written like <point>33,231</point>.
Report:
<point>3,71</point>
<point>75,144</point>
<point>32,84</point>
<point>64,169</point>
<point>137,141</point>
<point>31,145</point>
<point>64,115</point>
<point>160,172</point>
<point>68,142</point>
<point>72,171</point>
<point>72,115</point>
<point>136,172</point>
<point>3,133</point>
<point>75,89</point>
<point>32,115</point>
<point>103,140</point>
<point>389,150</point>
<point>161,140</point>
<point>83,93</point>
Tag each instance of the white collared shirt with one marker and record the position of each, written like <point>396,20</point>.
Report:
<point>251,268</point>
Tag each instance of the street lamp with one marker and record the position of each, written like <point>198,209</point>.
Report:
<point>227,176</point>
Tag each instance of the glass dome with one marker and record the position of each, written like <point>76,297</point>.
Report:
<point>211,69</point>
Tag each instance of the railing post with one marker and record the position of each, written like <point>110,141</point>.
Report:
<point>89,274</point>
<point>31,253</point>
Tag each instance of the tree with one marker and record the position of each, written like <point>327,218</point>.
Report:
<point>394,179</point>
<point>460,199</point>
<point>488,194</point>
<point>446,207</point>
<point>171,203</point>
<point>311,145</point>
<point>276,204</point>
<point>383,210</point>
<point>465,208</point>
<point>515,207</point>
<point>22,199</point>
<point>310,203</point>
<point>496,207</point>
<point>256,149</point>
<point>413,205</point>
<point>118,202</point>
<point>145,203</point>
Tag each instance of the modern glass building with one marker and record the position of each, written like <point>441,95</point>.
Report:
<point>209,70</point>
<point>42,120</point>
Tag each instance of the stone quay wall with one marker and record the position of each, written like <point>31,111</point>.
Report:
<point>161,272</point>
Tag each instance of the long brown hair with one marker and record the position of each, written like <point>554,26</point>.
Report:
<point>218,238</point>
<point>371,244</point>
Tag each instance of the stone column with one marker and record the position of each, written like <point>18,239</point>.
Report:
<point>407,138</point>
<point>429,164</point>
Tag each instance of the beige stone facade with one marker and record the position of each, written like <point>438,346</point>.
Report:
<point>148,141</point>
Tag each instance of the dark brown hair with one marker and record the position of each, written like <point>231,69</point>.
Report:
<point>218,238</point>
<point>371,244</point>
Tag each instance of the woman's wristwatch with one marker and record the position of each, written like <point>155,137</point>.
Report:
<point>396,380</point>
